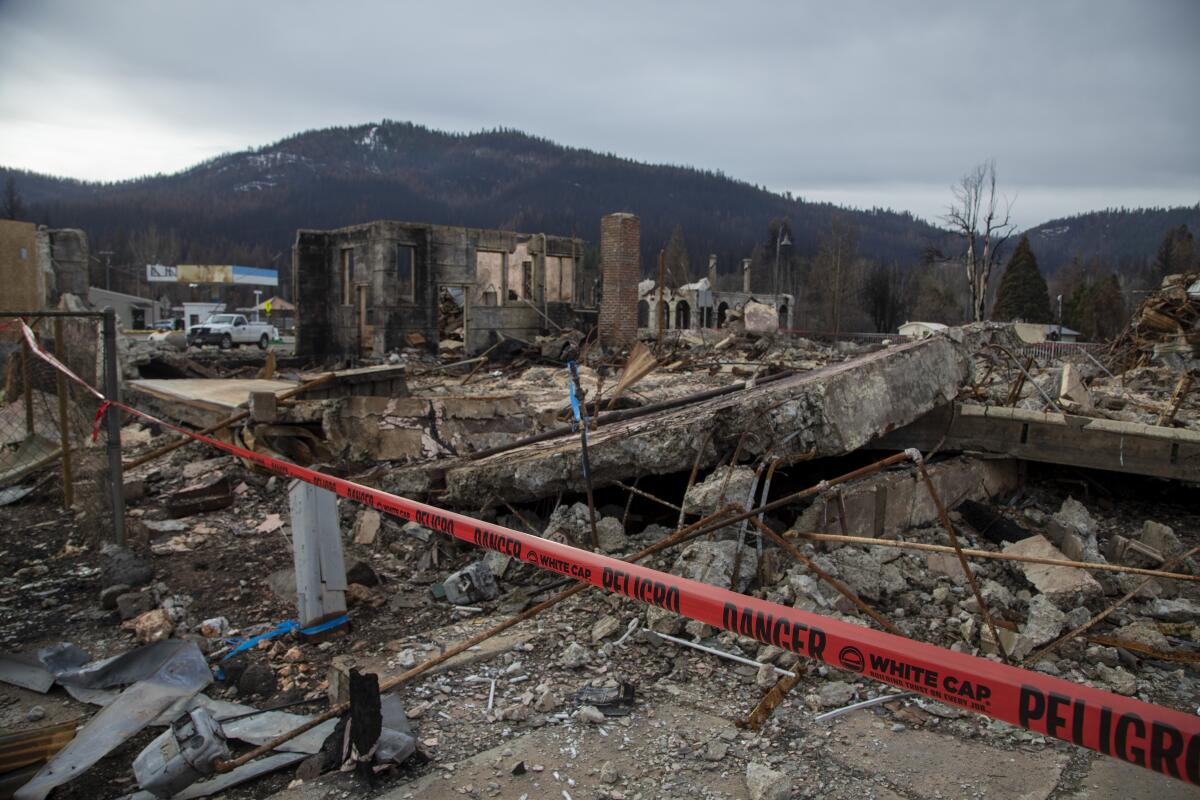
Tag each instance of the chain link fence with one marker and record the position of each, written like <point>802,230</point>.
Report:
<point>50,442</point>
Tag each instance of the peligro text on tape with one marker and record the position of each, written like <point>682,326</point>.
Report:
<point>1161,739</point>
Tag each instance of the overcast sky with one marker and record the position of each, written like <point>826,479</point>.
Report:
<point>1083,105</point>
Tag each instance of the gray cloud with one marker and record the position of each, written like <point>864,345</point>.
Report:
<point>871,103</point>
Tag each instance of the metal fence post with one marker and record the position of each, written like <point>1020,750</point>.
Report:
<point>112,392</point>
<point>64,422</point>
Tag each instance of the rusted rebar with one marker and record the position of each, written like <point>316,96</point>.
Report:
<point>962,559</point>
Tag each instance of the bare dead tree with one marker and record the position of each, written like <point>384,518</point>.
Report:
<point>984,226</point>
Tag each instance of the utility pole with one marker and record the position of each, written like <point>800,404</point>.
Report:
<point>108,254</point>
<point>662,303</point>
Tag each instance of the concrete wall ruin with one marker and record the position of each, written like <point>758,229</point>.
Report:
<point>365,288</point>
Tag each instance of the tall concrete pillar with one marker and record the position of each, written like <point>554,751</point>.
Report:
<point>712,271</point>
<point>620,271</point>
<point>746,275</point>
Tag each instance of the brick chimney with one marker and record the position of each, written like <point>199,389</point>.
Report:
<point>620,270</point>
<point>746,275</point>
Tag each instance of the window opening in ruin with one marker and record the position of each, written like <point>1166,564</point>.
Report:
<point>722,310</point>
<point>683,315</point>
<point>643,314</point>
<point>406,284</point>
<point>139,318</point>
<point>527,280</point>
<point>664,314</point>
<point>347,273</point>
<point>783,316</point>
<point>489,297</point>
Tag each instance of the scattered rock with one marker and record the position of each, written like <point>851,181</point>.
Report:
<point>1143,632</point>
<point>1065,586</point>
<point>1163,539</point>
<point>153,626</point>
<point>214,627</point>
<point>366,526</point>
<point>109,595</point>
<point>605,626</point>
<point>764,783</point>
<point>133,604</point>
<point>611,535</point>
<point>361,572</point>
<point>590,714</point>
<point>712,563</point>
<point>282,583</point>
<point>866,573</point>
<point>357,594</point>
<point>609,774</point>
<point>1179,610</point>
<point>1117,679</point>
<point>122,566</point>
<point>835,694</point>
<point>724,485</point>
<point>258,679</point>
<point>35,714</point>
<point>575,656</point>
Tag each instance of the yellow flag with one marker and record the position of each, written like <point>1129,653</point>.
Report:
<point>267,306</point>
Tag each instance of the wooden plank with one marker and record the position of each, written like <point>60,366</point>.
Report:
<point>34,746</point>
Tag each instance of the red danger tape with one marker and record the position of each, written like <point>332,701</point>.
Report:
<point>1161,739</point>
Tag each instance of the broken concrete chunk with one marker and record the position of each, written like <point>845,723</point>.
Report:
<point>1132,553</point>
<point>605,626</point>
<point>1162,538</point>
<point>723,486</point>
<point>134,604</point>
<point>866,574</point>
<point>996,595</point>
<point>1065,586</point>
<point>571,524</point>
<point>471,584</point>
<point>124,567</point>
<point>109,595</point>
<point>1044,624</point>
<point>1178,610</point>
<point>153,626</point>
<point>575,656</point>
<point>835,694</point>
<point>366,526</point>
<point>590,714</point>
<point>611,535</point>
<point>1143,632</point>
<point>764,783</point>
<point>1072,393</point>
<point>1073,530</point>
<point>713,563</point>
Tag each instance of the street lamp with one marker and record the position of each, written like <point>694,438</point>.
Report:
<point>781,239</point>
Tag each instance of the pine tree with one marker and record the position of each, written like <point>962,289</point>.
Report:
<point>1022,294</point>
<point>1177,253</point>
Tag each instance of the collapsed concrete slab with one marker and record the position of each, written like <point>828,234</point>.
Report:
<point>826,412</point>
<point>893,502</point>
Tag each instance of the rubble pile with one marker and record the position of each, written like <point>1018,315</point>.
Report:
<point>597,694</point>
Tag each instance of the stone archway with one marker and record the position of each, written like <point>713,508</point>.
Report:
<point>683,315</point>
<point>664,314</point>
<point>722,312</point>
<point>643,314</point>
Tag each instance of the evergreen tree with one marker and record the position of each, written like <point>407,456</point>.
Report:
<point>1177,253</point>
<point>1022,294</point>
<point>676,259</point>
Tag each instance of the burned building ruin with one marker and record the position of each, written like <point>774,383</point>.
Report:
<point>376,287</point>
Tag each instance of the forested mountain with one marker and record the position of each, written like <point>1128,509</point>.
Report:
<point>1116,235</point>
<point>247,206</point>
<point>848,267</point>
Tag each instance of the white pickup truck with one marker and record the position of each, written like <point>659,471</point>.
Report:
<point>230,330</point>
